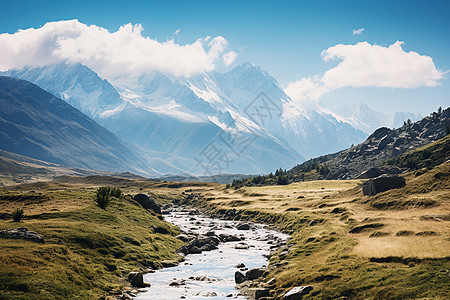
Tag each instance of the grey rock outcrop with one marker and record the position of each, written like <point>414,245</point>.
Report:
<point>359,161</point>
<point>253,274</point>
<point>297,292</point>
<point>239,277</point>
<point>22,233</point>
<point>137,280</point>
<point>147,202</point>
<point>382,183</point>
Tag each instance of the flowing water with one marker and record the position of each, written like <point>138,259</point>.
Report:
<point>217,265</point>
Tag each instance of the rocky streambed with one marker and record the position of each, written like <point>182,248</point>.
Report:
<point>218,253</point>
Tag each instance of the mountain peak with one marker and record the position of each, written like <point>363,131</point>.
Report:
<point>247,67</point>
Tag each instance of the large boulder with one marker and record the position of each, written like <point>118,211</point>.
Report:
<point>239,277</point>
<point>256,273</point>
<point>297,292</point>
<point>147,202</point>
<point>257,293</point>
<point>382,183</point>
<point>137,280</point>
<point>22,233</point>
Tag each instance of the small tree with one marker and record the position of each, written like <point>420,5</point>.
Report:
<point>103,196</point>
<point>17,215</point>
<point>282,180</point>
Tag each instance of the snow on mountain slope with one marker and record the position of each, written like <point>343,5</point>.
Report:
<point>165,119</point>
<point>243,114</point>
<point>309,132</point>
<point>364,118</point>
<point>400,117</point>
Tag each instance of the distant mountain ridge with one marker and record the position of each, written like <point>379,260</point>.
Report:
<point>367,120</point>
<point>35,123</point>
<point>173,121</point>
<point>383,144</point>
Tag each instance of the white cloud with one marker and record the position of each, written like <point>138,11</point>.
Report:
<point>364,65</point>
<point>111,54</point>
<point>229,57</point>
<point>306,89</point>
<point>358,31</point>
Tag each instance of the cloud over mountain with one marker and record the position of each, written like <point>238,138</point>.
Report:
<point>111,54</point>
<point>364,65</point>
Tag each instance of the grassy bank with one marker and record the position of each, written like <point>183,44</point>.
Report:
<point>394,245</point>
<point>88,251</point>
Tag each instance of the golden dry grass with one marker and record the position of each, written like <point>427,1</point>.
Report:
<point>338,263</point>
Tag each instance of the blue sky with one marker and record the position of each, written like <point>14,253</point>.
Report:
<point>285,38</point>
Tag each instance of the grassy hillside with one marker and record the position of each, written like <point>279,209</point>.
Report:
<point>88,251</point>
<point>394,245</point>
<point>427,156</point>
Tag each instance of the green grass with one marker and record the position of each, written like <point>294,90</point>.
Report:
<point>88,250</point>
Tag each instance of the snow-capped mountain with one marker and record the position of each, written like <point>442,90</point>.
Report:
<point>401,117</point>
<point>36,124</point>
<point>362,117</point>
<point>240,121</point>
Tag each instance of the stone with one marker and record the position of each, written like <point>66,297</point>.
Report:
<point>241,246</point>
<point>239,277</point>
<point>204,278</point>
<point>125,296</point>
<point>225,237</point>
<point>382,183</point>
<point>148,203</point>
<point>253,274</point>
<point>208,294</point>
<point>183,238</point>
<point>169,263</point>
<point>297,292</point>
<point>22,233</point>
<point>194,250</point>
<point>177,282</point>
<point>257,293</point>
<point>244,226</point>
<point>183,249</point>
<point>137,280</point>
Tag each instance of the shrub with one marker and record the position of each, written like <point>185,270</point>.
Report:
<point>115,192</point>
<point>282,180</point>
<point>17,215</point>
<point>103,196</point>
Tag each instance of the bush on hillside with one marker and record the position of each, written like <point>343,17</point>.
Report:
<point>103,196</point>
<point>17,215</point>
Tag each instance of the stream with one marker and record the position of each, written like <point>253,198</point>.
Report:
<point>210,274</point>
